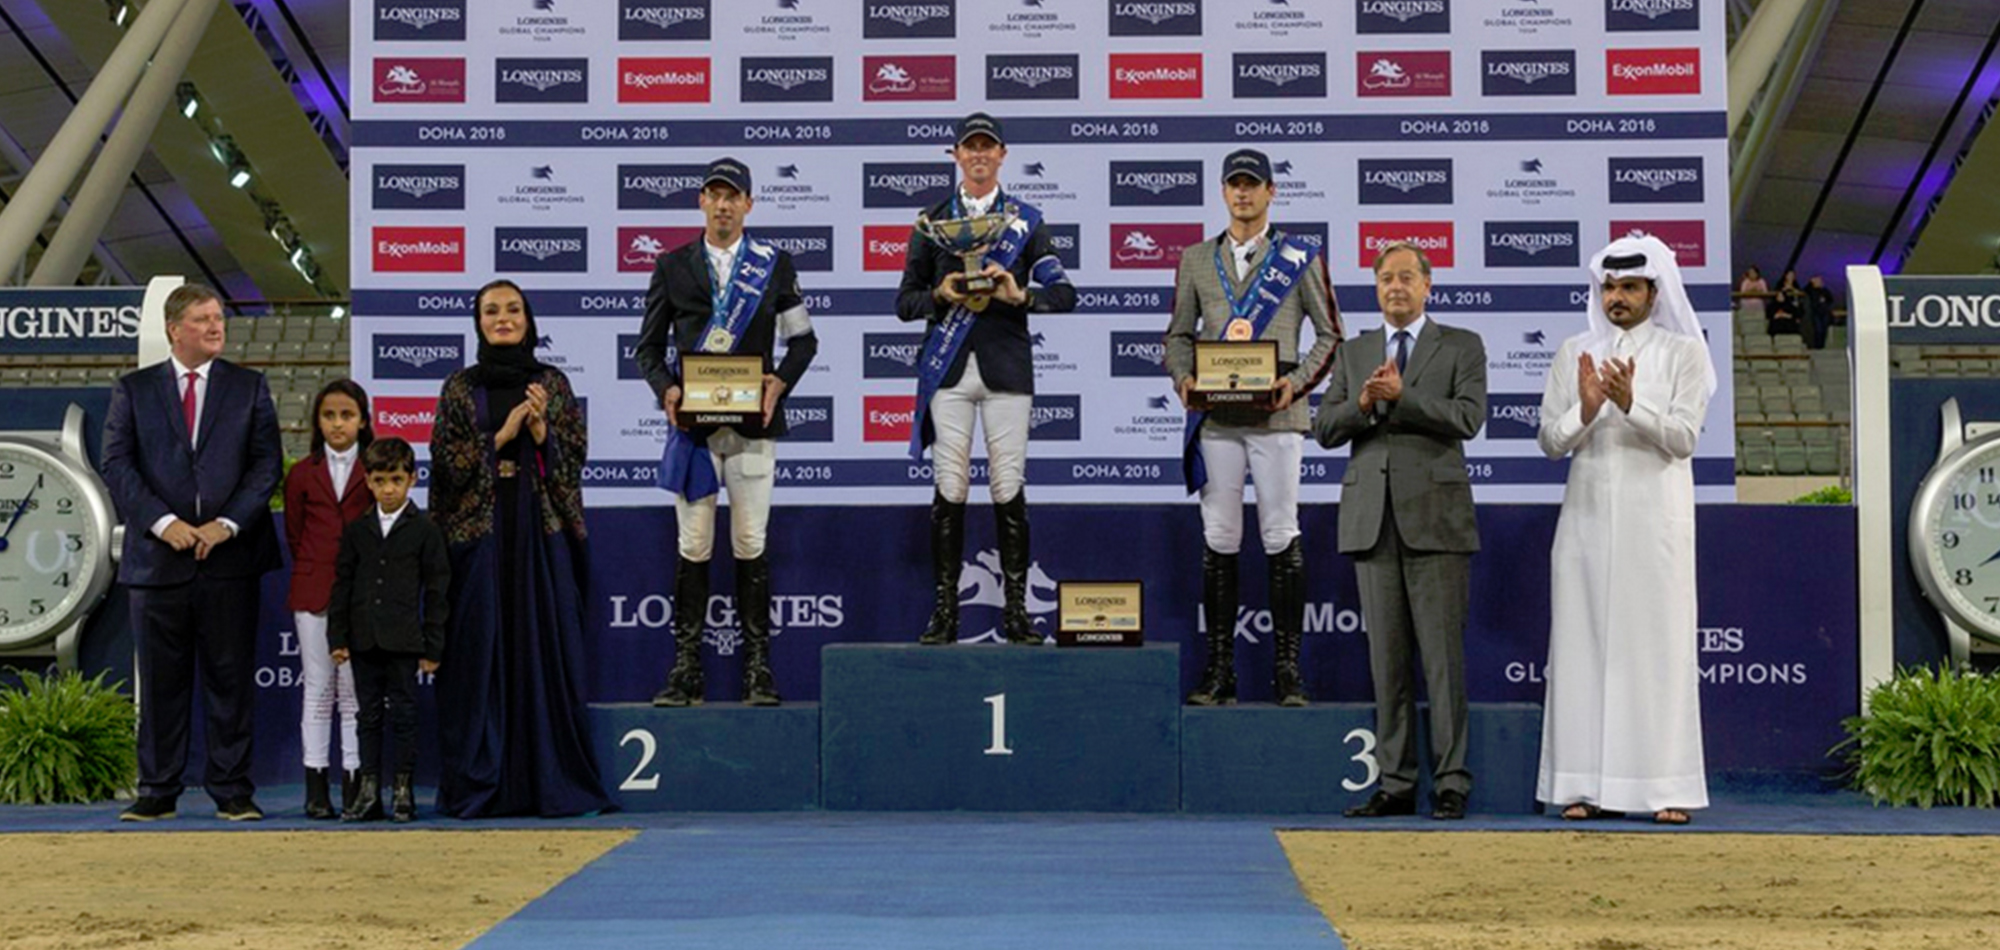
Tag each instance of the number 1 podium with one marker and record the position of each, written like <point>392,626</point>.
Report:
<point>1000,728</point>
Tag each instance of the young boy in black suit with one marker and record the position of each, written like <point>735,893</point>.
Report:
<point>387,616</point>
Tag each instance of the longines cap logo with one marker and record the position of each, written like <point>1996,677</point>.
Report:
<point>1531,244</point>
<point>1638,180</point>
<point>420,187</point>
<point>1155,17</point>
<point>909,19</point>
<point>1651,15</point>
<point>1529,72</point>
<point>1156,183</point>
<point>1274,75</point>
<point>663,19</point>
<point>1402,16</point>
<point>437,20</point>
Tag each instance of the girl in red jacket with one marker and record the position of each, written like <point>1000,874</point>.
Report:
<point>324,491</point>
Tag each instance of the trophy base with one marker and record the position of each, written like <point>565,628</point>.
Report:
<point>720,418</point>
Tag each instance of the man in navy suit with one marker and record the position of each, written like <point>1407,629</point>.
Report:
<point>192,454</point>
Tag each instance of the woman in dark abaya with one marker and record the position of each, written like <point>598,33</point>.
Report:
<point>507,452</point>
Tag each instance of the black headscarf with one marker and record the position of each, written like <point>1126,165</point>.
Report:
<point>513,365</point>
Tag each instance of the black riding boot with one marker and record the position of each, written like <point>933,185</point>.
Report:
<point>1288,617</point>
<point>753,608</point>
<point>403,801</point>
<point>947,560</point>
<point>690,608</point>
<point>1012,520</point>
<point>1218,603</point>
<point>319,800</point>
<point>367,800</point>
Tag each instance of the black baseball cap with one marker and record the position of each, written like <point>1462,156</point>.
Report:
<point>979,123</point>
<point>729,171</point>
<point>1247,161</point>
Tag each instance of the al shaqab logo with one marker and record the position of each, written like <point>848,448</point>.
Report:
<point>980,590</point>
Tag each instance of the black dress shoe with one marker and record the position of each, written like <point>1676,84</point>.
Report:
<point>239,808</point>
<point>1449,805</point>
<point>1384,805</point>
<point>149,808</point>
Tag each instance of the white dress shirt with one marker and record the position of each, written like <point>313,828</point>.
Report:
<point>340,466</point>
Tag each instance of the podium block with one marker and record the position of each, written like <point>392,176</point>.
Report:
<point>1000,728</point>
<point>714,757</point>
<point>1259,758</point>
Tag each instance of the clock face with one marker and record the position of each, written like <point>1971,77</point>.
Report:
<point>1955,538</point>
<point>50,544</point>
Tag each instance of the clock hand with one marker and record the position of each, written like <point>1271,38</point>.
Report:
<point>1995,557</point>
<point>22,509</point>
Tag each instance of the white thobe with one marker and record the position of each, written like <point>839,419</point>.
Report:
<point>1621,725</point>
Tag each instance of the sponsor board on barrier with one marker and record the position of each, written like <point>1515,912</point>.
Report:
<point>49,321</point>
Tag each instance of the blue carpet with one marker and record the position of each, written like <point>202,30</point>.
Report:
<point>923,882</point>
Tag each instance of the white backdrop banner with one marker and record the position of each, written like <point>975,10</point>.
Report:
<point>560,143</point>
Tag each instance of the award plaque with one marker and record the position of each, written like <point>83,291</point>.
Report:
<point>1229,374</point>
<point>1099,614</point>
<point>970,239</point>
<point>721,390</point>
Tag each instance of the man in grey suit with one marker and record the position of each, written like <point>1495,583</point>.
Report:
<point>1408,396</point>
<point>1249,283</point>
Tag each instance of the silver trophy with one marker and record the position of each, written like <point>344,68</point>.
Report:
<point>970,238</point>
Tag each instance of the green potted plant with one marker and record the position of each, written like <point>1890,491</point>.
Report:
<point>1931,736</point>
<point>64,738</point>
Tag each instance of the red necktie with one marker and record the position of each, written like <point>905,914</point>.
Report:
<point>187,404</point>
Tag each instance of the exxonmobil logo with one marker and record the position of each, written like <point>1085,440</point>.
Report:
<point>1155,75</point>
<point>663,79</point>
<point>887,418</point>
<point>412,250</point>
<point>405,417</point>
<point>1435,237</point>
<point>883,246</point>
<point>1653,72</point>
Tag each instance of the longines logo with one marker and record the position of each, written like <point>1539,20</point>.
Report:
<point>1157,183</point>
<point>1310,233</point>
<point>1530,184</point>
<point>1402,16</point>
<point>809,419</point>
<point>1034,20</point>
<point>541,249</point>
<point>1940,311</point>
<point>909,19</point>
<point>890,355</point>
<point>414,356</point>
<point>905,184</point>
<point>663,19</point>
<point>1662,180</point>
<point>1053,76</point>
<point>1531,244</point>
<point>1280,75</point>
<point>1624,16</point>
<point>811,248</point>
<point>1527,17</point>
<point>1158,418</point>
<point>1406,181</point>
<point>1155,17</point>
<point>720,626</point>
<point>544,22</point>
<point>788,79</point>
<point>541,190</point>
<point>541,80</point>
<point>1056,418</point>
<point>420,187</point>
<point>433,20</point>
<point>660,187</point>
<point>1513,415</point>
<point>1067,240</point>
<point>1039,184</point>
<point>790,22</point>
<point>787,186</point>
<point>1531,359</point>
<point>1277,19</point>
<point>1136,353</point>
<point>1292,187</point>
<point>1535,72</point>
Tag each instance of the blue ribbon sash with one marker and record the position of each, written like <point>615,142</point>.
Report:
<point>685,467</point>
<point>1285,263</point>
<point>942,346</point>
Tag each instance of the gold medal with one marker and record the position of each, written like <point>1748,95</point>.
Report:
<point>718,341</point>
<point>1237,331</point>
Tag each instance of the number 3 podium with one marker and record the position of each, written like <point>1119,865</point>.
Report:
<point>979,727</point>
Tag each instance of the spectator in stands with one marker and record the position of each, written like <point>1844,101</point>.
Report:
<point>1789,306</point>
<point>507,457</point>
<point>1752,297</point>
<point>1819,311</point>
